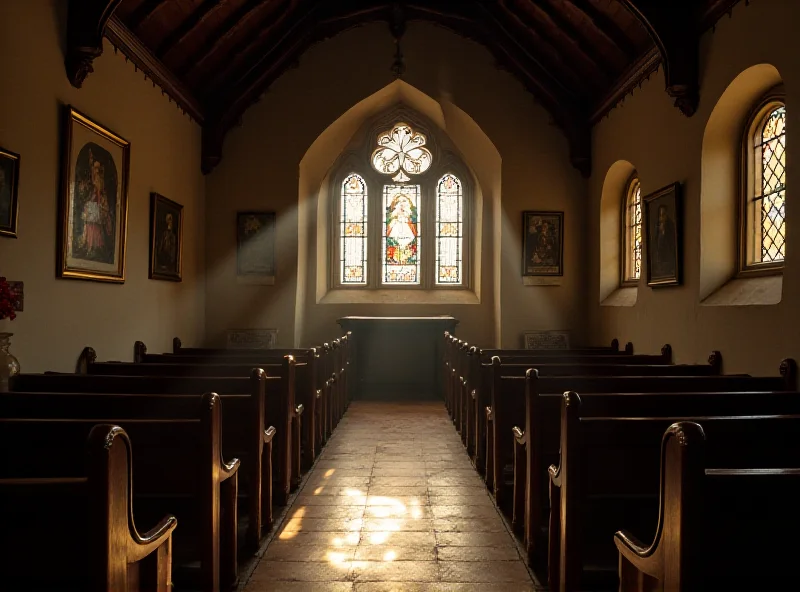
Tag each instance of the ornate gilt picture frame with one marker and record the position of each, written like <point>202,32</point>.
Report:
<point>9,187</point>
<point>93,208</point>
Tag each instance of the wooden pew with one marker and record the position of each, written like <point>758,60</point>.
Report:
<point>245,435</point>
<point>90,511</point>
<point>309,390</point>
<point>284,413</point>
<point>704,540</point>
<point>537,442</point>
<point>608,477</point>
<point>179,470</point>
<point>479,375</point>
<point>507,403</point>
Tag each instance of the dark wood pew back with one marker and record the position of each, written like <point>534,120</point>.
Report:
<point>716,527</point>
<point>179,470</point>
<point>90,513</point>
<point>244,434</point>
<point>608,478</point>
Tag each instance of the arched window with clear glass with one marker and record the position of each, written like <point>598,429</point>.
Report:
<point>763,240</point>
<point>632,233</point>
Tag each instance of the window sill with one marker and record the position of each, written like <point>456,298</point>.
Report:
<point>625,296</point>
<point>748,291</point>
<point>399,297</point>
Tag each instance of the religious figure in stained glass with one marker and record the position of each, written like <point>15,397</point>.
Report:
<point>401,152</point>
<point>401,234</point>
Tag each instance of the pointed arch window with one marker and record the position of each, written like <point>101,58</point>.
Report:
<point>353,231</point>
<point>763,212</point>
<point>632,233</point>
<point>402,214</point>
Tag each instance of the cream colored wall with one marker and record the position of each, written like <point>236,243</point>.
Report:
<point>664,146</point>
<point>63,316</point>
<point>260,170</point>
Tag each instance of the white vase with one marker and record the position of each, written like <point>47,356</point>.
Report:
<point>9,365</point>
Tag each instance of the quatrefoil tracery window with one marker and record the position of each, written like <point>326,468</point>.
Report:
<point>419,200</point>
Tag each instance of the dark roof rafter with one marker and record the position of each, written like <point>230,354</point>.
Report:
<point>143,12</point>
<point>188,26</point>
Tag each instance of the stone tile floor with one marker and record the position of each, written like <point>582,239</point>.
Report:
<point>392,504</point>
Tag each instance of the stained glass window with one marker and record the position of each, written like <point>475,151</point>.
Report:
<point>401,152</point>
<point>449,230</point>
<point>633,232</point>
<point>769,197</point>
<point>401,234</point>
<point>353,231</point>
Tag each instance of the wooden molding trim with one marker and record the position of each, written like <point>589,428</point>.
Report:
<point>638,73</point>
<point>129,44</point>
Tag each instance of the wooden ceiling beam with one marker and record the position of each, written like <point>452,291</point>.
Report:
<point>143,12</point>
<point>86,24</point>
<point>586,53</point>
<point>226,31</point>
<point>606,26</point>
<point>673,26</point>
<point>272,56</point>
<point>188,26</point>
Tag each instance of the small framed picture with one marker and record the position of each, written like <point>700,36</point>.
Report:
<point>255,247</point>
<point>94,201</point>
<point>9,184</point>
<point>542,243</point>
<point>166,238</point>
<point>663,236</point>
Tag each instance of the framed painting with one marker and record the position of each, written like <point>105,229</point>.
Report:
<point>542,243</point>
<point>166,238</point>
<point>255,246</point>
<point>9,184</point>
<point>93,209</point>
<point>663,236</point>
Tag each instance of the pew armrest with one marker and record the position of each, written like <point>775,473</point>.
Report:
<point>269,434</point>
<point>228,469</point>
<point>489,415</point>
<point>319,393</point>
<point>634,552</point>
<point>142,545</point>
<point>519,435</point>
<point>554,473</point>
<point>474,394</point>
<point>298,411</point>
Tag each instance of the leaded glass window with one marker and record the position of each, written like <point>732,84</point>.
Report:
<point>401,234</point>
<point>769,199</point>
<point>353,231</point>
<point>449,230</point>
<point>400,185</point>
<point>632,221</point>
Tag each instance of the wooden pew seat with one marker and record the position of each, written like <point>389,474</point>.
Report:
<point>71,528</point>
<point>717,528</point>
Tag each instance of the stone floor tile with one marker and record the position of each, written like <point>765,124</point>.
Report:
<point>393,503</point>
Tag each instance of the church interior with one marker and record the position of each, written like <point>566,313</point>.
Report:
<point>398,295</point>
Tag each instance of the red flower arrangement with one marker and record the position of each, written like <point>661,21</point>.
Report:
<point>7,301</point>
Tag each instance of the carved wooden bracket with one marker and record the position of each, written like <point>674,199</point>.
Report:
<point>86,23</point>
<point>674,29</point>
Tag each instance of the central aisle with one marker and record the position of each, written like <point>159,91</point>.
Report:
<point>392,504</point>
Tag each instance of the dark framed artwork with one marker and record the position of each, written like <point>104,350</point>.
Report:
<point>542,243</point>
<point>664,236</point>
<point>93,208</point>
<point>255,246</point>
<point>166,238</point>
<point>9,186</point>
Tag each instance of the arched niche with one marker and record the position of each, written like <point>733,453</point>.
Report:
<point>721,178</point>
<point>615,188</point>
<point>316,301</point>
